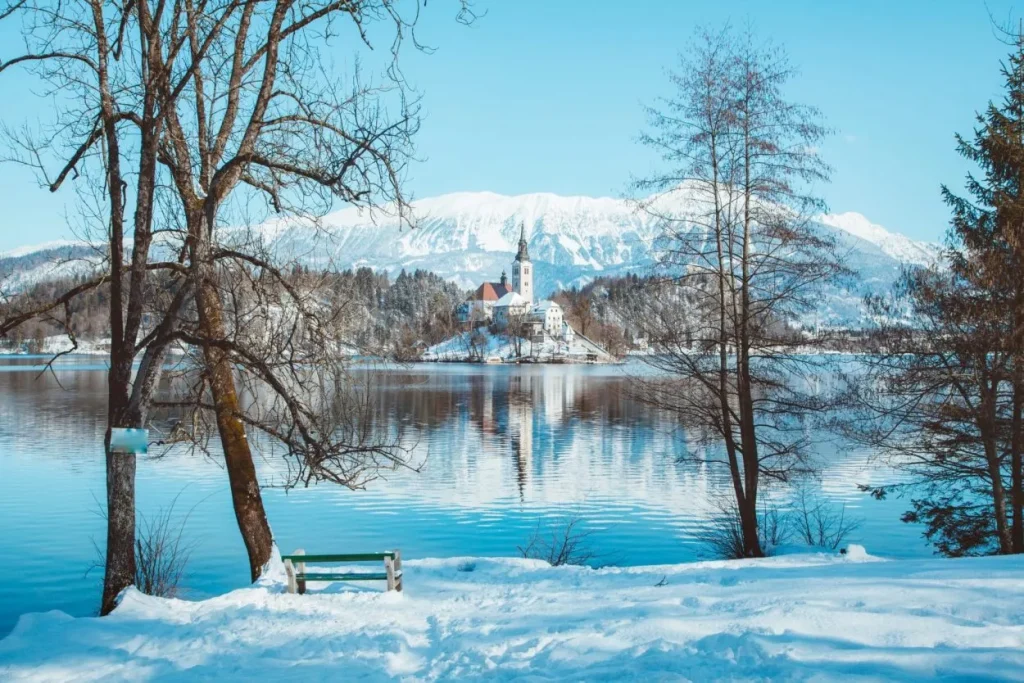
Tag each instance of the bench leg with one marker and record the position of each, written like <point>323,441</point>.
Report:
<point>389,569</point>
<point>398,571</point>
<point>302,570</point>
<point>289,570</point>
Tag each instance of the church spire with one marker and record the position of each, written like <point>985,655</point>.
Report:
<point>522,269</point>
<point>523,254</point>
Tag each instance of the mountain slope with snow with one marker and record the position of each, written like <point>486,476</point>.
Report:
<point>26,266</point>
<point>471,237</point>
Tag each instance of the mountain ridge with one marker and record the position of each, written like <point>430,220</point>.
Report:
<point>470,237</point>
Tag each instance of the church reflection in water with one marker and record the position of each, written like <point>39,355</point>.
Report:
<point>538,433</point>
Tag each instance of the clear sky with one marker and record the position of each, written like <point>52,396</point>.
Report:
<point>544,95</point>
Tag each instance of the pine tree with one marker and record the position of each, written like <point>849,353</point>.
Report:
<point>944,394</point>
<point>989,229</point>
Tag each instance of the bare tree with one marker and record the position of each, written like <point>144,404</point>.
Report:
<point>80,49</point>
<point>182,104</point>
<point>562,543</point>
<point>517,329</point>
<point>724,535</point>
<point>741,261</point>
<point>162,552</point>
<point>819,523</point>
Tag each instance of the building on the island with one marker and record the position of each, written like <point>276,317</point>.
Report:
<point>506,305</point>
<point>479,307</point>
<point>511,307</point>
<point>549,315</point>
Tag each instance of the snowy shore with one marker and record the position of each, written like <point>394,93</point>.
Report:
<point>795,617</point>
<point>483,345</point>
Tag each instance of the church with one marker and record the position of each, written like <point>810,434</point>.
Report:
<point>505,304</point>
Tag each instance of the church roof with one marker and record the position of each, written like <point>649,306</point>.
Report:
<point>512,299</point>
<point>523,254</point>
<point>491,291</point>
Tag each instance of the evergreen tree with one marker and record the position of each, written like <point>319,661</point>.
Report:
<point>989,229</point>
<point>944,394</point>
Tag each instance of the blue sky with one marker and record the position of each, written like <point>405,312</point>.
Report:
<point>547,96</point>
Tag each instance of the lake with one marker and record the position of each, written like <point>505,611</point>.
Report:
<point>505,450</point>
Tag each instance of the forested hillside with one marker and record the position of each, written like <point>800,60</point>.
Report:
<point>392,317</point>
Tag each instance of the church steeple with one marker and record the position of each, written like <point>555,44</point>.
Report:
<point>523,254</point>
<point>522,269</point>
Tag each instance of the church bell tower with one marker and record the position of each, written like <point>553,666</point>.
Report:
<point>522,269</point>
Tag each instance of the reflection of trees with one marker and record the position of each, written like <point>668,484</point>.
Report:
<point>431,399</point>
<point>34,406</point>
<point>528,412</point>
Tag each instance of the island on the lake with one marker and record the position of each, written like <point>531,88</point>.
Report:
<point>503,324</point>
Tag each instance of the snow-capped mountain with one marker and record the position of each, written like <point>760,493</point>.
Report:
<point>892,244</point>
<point>470,237</point>
<point>26,266</point>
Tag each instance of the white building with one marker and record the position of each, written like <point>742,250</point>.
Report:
<point>549,314</point>
<point>482,306</point>
<point>510,307</point>
<point>479,307</point>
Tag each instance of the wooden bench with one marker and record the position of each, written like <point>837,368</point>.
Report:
<point>295,567</point>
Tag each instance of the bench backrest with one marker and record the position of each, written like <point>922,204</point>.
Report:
<point>295,567</point>
<point>347,557</point>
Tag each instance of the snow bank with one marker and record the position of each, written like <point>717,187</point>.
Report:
<point>460,348</point>
<point>793,618</point>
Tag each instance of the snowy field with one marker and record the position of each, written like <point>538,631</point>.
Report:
<point>800,617</point>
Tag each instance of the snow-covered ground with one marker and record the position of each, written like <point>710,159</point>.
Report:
<point>799,617</point>
<point>60,343</point>
<point>488,346</point>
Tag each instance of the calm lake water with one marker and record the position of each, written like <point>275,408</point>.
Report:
<point>505,449</point>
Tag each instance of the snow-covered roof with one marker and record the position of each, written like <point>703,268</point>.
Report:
<point>545,306</point>
<point>511,299</point>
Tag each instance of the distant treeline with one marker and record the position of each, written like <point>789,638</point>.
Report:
<point>399,317</point>
<point>617,312</point>
<point>393,317</point>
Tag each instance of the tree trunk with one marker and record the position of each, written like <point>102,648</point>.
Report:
<point>245,488</point>
<point>748,522</point>
<point>119,564</point>
<point>992,458</point>
<point>744,390</point>
<point>119,569</point>
<point>1016,475</point>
